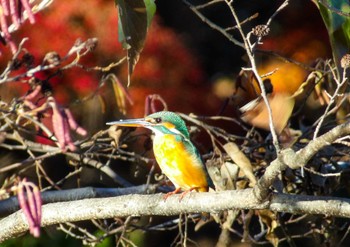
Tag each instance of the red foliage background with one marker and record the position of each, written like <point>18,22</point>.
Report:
<point>166,67</point>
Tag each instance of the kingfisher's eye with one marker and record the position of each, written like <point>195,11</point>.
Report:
<point>158,120</point>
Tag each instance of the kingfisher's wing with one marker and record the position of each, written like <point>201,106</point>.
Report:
<point>193,150</point>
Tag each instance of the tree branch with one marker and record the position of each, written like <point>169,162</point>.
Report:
<point>294,160</point>
<point>10,205</point>
<point>140,205</point>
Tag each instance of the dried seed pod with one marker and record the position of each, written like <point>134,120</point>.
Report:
<point>52,58</point>
<point>345,61</point>
<point>73,124</point>
<point>78,42</point>
<point>261,30</point>
<point>91,44</point>
<point>29,199</point>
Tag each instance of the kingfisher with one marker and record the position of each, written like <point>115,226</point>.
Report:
<point>175,154</point>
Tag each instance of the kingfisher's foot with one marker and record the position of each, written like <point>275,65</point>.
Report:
<point>186,192</point>
<point>177,190</point>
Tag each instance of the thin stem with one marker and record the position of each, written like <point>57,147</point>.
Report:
<point>249,50</point>
<point>336,94</point>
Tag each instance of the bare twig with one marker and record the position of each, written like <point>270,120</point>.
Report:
<point>340,85</point>
<point>213,25</point>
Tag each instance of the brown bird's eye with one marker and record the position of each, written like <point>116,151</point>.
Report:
<point>158,120</point>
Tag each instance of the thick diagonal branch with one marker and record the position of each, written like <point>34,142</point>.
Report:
<point>294,160</point>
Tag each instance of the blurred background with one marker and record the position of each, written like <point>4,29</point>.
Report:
<point>191,66</point>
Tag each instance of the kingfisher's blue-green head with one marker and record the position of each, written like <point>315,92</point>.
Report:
<point>164,122</point>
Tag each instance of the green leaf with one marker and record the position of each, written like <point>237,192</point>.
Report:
<point>151,10</point>
<point>134,18</point>
<point>336,16</point>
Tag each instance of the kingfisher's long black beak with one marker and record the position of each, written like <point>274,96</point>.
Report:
<point>138,122</point>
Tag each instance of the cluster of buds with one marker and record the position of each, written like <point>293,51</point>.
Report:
<point>29,200</point>
<point>62,118</point>
<point>62,122</point>
<point>345,61</point>
<point>13,9</point>
<point>261,30</point>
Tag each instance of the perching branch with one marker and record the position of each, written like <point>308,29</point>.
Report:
<point>140,205</point>
<point>10,205</point>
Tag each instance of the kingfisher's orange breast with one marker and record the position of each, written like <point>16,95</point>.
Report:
<point>184,169</point>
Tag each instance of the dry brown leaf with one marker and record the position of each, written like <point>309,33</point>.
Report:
<point>115,133</point>
<point>239,158</point>
<point>120,93</point>
<point>269,218</point>
<point>102,103</point>
<point>229,173</point>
